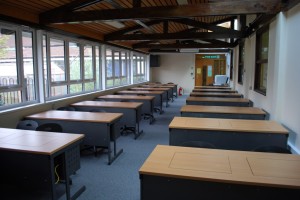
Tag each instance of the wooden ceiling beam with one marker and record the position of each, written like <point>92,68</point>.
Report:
<point>182,46</point>
<point>176,36</point>
<point>138,13</point>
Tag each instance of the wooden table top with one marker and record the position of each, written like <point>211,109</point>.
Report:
<point>129,97</point>
<point>139,92</point>
<point>215,90</point>
<point>36,142</point>
<point>212,87</point>
<point>109,104</point>
<point>226,166</point>
<point>77,116</point>
<point>217,99</point>
<point>150,88</point>
<point>214,94</point>
<point>217,124</point>
<point>158,86</point>
<point>222,109</point>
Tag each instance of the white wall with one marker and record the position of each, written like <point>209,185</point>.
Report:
<point>176,68</point>
<point>283,81</point>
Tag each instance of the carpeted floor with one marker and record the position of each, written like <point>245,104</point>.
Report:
<point>120,180</point>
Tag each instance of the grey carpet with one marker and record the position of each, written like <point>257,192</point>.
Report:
<point>120,180</point>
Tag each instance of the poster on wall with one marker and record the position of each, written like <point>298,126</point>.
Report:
<point>209,71</point>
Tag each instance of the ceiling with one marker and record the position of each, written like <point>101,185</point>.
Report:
<point>150,25</point>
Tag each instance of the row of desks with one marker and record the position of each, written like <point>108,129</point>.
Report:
<point>184,172</point>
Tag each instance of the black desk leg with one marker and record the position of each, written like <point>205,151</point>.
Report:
<point>137,132</point>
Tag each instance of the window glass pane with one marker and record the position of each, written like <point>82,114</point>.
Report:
<point>11,97</point>
<point>263,77</point>
<point>89,86</point>
<point>264,41</point>
<point>59,90</point>
<point>28,67</point>
<point>75,88</point>
<point>142,65</point>
<point>98,74</point>
<point>124,64</point>
<point>88,62</point>
<point>108,58</point>
<point>74,61</point>
<point>57,58</point>
<point>117,63</point>
<point>109,83</point>
<point>134,64</point>
<point>8,58</point>
<point>45,65</point>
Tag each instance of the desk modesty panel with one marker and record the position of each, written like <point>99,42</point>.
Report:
<point>212,87</point>
<point>191,173</point>
<point>166,95</point>
<point>232,134</point>
<point>158,101</point>
<point>229,112</point>
<point>147,106</point>
<point>216,94</point>
<point>132,111</point>
<point>28,159</point>
<point>218,101</point>
<point>99,128</point>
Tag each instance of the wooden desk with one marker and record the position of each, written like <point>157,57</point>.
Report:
<point>216,94</point>
<point>218,101</point>
<point>212,87</point>
<point>215,90</point>
<point>173,86</point>
<point>231,112</point>
<point>28,161</point>
<point>158,101</point>
<point>166,95</point>
<point>196,173</point>
<point>233,134</point>
<point>99,128</point>
<point>147,107</point>
<point>132,112</point>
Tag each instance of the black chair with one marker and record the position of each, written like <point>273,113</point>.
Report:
<point>272,149</point>
<point>198,144</point>
<point>69,108</point>
<point>50,127</point>
<point>27,125</point>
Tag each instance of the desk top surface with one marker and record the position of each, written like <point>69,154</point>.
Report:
<point>109,104</point>
<point>222,109</point>
<point>214,94</point>
<point>239,167</point>
<point>158,86</point>
<point>217,124</point>
<point>150,88</point>
<point>35,142</point>
<point>139,92</point>
<point>215,90</point>
<point>218,99</point>
<point>77,116</point>
<point>212,87</point>
<point>129,97</point>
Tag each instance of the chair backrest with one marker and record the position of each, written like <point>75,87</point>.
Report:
<point>50,127</point>
<point>272,149</point>
<point>27,125</point>
<point>69,108</point>
<point>198,144</point>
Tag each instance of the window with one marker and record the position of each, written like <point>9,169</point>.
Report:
<point>261,65</point>
<point>116,67</point>
<point>139,64</point>
<point>73,66</point>
<point>17,67</point>
<point>241,63</point>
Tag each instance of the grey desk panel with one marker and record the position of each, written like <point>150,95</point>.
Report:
<point>223,95</point>
<point>244,141</point>
<point>180,188</point>
<point>224,115</point>
<point>147,106</point>
<point>219,103</point>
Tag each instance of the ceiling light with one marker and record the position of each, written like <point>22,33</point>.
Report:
<point>115,24</point>
<point>189,50</point>
<point>182,2</point>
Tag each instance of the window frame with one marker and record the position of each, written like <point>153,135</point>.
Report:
<point>259,62</point>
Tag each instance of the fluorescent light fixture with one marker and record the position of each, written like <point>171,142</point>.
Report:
<point>115,24</point>
<point>189,50</point>
<point>182,2</point>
